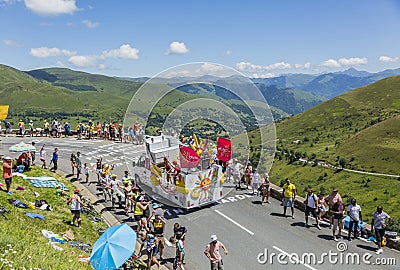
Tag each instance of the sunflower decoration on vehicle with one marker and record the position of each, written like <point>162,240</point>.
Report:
<point>204,186</point>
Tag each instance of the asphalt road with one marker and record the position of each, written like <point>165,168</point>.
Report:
<point>248,230</point>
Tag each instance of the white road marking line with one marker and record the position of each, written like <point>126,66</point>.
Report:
<point>234,222</point>
<point>297,260</point>
<point>167,242</point>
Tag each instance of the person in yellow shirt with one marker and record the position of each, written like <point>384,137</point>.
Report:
<point>288,194</point>
<point>46,127</point>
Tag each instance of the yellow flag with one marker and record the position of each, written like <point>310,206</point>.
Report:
<point>3,112</point>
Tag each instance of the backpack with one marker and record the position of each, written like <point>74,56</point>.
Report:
<point>313,196</point>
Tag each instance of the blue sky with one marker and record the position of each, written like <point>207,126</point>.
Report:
<point>142,38</point>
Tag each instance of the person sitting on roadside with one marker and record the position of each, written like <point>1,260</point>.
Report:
<point>23,160</point>
<point>60,191</point>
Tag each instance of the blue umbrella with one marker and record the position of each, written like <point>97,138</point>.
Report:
<point>114,247</point>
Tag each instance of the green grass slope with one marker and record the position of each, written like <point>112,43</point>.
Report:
<point>22,245</point>
<point>349,126</point>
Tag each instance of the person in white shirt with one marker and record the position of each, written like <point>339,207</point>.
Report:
<point>354,212</point>
<point>114,185</point>
<point>237,167</point>
<point>256,181</point>
<point>311,203</point>
<point>378,225</point>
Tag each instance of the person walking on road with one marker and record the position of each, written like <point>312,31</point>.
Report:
<point>311,203</point>
<point>331,199</point>
<point>115,185</point>
<point>7,173</point>
<point>256,181</point>
<point>212,253</point>
<point>378,225</point>
<point>354,212</point>
<point>337,210</point>
<point>321,205</point>
<point>265,189</point>
<point>157,227</point>
<point>179,255</point>
<point>54,160</point>
<point>237,167</point>
<point>180,232</point>
<point>78,163</point>
<point>42,156</point>
<point>99,167</point>
<point>289,195</point>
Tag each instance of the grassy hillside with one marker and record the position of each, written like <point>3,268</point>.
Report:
<point>22,245</point>
<point>359,130</point>
<point>359,126</point>
<point>30,98</point>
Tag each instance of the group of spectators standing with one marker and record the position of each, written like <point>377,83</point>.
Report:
<point>90,130</point>
<point>334,206</point>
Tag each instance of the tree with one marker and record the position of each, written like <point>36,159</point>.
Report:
<point>342,162</point>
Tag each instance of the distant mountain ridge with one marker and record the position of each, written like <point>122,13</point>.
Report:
<point>329,85</point>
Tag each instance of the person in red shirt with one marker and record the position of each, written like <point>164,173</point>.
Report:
<point>7,173</point>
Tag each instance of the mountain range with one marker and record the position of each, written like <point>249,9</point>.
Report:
<point>329,85</point>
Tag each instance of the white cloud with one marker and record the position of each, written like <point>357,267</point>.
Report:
<point>280,65</point>
<point>208,68</point>
<point>304,66</point>
<point>177,48</point>
<point>124,52</point>
<point>84,60</point>
<point>44,52</point>
<point>52,7</point>
<point>330,63</point>
<point>11,43</point>
<point>90,24</point>
<point>249,67</point>
<point>263,76</point>
<point>353,61</point>
<point>388,59</point>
